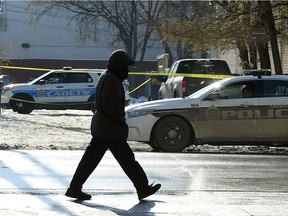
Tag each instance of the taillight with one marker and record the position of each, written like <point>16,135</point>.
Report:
<point>184,85</point>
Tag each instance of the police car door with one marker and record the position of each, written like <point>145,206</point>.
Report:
<point>230,117</point>
<point>273,112</point>
<point>51,89</point>
<point>79,88</point>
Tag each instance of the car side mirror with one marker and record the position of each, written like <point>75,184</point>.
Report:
<point>213,96</point>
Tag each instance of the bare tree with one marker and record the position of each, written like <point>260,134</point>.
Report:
<point>152,10</point>
<point>248,25</point>
<point>130,22</point>
<point>267,19</point>
<point>173,12</point>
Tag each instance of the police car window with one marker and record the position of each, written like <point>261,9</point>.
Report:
<point>275,88</point>
<point>81,78</point>
<point>235,90</point>
<point>231,91</point>
<point>54,78</point>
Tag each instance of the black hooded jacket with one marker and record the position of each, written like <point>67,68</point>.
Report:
<point>108,122</point>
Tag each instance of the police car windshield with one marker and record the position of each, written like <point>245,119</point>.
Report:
<point>208,88</point>
<point>39,78</point>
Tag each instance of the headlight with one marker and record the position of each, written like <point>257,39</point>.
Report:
<point>7,88</point>
<point>138,113</point>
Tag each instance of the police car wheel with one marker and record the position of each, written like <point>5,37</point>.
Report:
<point>93,107</point>
<point>172,134</point>
<point>92,103</point>
<point>20,105</point>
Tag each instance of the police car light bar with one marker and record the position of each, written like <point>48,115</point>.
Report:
<point>257,72</point>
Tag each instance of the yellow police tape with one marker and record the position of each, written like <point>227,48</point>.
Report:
<point>33,102</point>
<point>46,69</point>
<point>25,68</point>
<point>151,74</point>
<point>139,86</point>
<point>211,76</point>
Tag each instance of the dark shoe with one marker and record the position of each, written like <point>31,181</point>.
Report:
<point>78,194</point>
<point>151,189</point>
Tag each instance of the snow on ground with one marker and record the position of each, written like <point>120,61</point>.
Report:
<point>48,129</point>
<point>44,129</point>
<point>70,130</point>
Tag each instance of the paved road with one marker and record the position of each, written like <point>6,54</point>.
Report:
<point>33,183</point>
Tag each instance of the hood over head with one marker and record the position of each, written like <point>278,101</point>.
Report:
<point>118,63</point>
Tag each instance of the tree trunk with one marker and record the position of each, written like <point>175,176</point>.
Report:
<point>264,57</point>
<point>168,51</point>
<point>253,54</point>
<point>243,54</point>
<point>269,25</point>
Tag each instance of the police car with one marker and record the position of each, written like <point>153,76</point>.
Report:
<point>57,89</point>
<point>224,112</point>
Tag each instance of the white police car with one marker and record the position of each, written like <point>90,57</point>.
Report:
<point>57,89</point>
<point>221,113</point>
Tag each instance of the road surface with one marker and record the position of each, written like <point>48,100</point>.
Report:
<point>33,182</point>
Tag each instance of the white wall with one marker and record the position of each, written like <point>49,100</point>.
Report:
<point>53,38</point>
<point>233,60</point>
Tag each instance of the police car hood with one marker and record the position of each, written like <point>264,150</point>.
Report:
<point>17,84</point>
<point>164,104</point>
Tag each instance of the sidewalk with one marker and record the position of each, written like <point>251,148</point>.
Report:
<point>33,183</point>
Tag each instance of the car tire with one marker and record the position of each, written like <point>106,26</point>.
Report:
<point>154,146</point>
<point>21,104</point>
<point>92,103</point>
<point>172,134</point>
<point>93,106</point>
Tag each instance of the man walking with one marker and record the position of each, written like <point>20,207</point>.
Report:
<point>110,131</point>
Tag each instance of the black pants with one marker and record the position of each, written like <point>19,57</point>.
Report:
<point>122,153</point>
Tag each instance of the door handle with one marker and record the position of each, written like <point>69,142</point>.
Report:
<point>59,86</point>
<point>90,86</point>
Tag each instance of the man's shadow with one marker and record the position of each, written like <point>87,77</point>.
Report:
<point>140,209</point>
